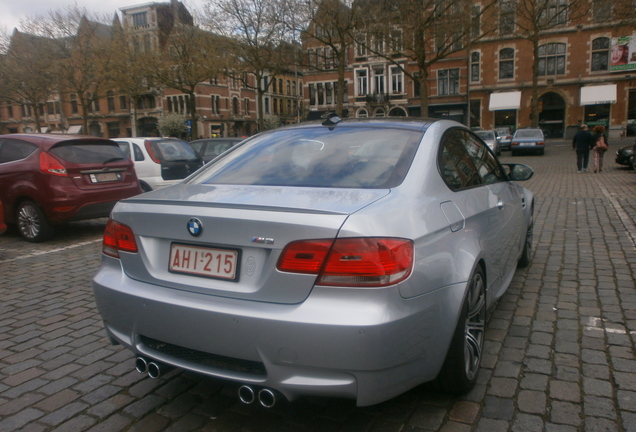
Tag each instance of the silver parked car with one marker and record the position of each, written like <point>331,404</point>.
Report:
<point>351,259</point>
<point>491,139</point>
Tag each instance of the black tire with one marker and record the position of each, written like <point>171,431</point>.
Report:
<point>145,187</point>
<point>32,223</point>
<point>463,360</point>
<point>526,255</point>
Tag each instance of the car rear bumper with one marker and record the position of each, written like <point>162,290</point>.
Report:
<point>369,345</point>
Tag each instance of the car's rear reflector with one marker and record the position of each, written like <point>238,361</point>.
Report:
<point>118,237</point>
<point>351,262</point>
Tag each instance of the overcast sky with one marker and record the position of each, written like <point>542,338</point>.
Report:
<point>12,11</point>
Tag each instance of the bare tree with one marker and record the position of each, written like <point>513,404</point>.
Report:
<point>133,75</point>
<point>189,57</point>
<point>26,75</point>
<point>257,41</point>
<point>330,24</point>
<point>82,45</point>
<point>537,18</point>
<point>421,32</point>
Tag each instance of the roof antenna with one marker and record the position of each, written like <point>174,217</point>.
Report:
<point>332,119</point>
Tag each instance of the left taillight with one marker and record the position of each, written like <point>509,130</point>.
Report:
<point>118,237</point>
<point>350,262</point>
<point>50,165</point>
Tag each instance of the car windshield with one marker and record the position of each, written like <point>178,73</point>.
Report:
<point>486,135</point>
<point>341,157</point>
<point>82,152</point>
<point>530,133</point>
<point>175,150</point>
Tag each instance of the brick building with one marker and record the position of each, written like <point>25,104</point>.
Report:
<point>492,81</point>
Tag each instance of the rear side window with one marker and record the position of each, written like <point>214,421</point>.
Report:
<point>465,162</point>
<point>173,150</point>
<point>13,150</point>
<point>83,152</point>
<point>341,157</point>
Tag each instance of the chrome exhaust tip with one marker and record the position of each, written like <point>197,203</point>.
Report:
<point>267,397</point>
<point>141,365</point>
<point>246,394</point>
<point>156,369</point>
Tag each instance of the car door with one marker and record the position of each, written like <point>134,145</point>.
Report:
<point>470,170</point>
<point>507,232</point>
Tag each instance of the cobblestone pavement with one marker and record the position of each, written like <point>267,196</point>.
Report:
<point>559,352</point>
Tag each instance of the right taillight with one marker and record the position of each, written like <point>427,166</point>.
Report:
<point>151,152</point>
<point>350,262</point>
<point>118,237</point>
<point>50,165</point>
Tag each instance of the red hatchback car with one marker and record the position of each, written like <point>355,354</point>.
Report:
<point>48,179</point>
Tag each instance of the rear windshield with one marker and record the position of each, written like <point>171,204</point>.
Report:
<point>528,134</point>
<point>344,157</point>
<point>83,152</point>
<point>486,135</point>
<point>174,150</point>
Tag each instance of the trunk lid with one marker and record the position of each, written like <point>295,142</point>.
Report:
<point>252,222</point>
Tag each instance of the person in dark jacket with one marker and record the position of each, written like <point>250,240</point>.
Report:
<point>582,142</point>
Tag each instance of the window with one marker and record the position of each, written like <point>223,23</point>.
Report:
<point>312,94</point>
<point>123,103</point>
<point>475,21</point>
<point>96,105</point>
<point>506,63</point>
<point>13,150</point>
<point>113,129</point>
<point>140,19</point>
<point>361,47</point>
<point>74,104</point>
<point>362,82</point>
<point>555,12</point>
<point>397,79</point>
<point>111,101</point>
<point>246,106</point>
<point>600,54</point>
<point>601,10</point>
<point>288,87</point>
<point>266,105</point>
<point>552,59</point>
<point>329,91</point>
<point>447,82</point>
<point>395,41</point>
<point>321,93</point>
<point>475,66</point>
<point>10,110</point>
<point>311,57</point>
<point>507,11</point>
<point>465,162</point>
<point>379,81</point>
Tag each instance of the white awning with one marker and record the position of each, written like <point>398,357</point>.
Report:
<point>598,95</point>
<point>44,129</point>
<point>75,129</point>
<point>505,101</point>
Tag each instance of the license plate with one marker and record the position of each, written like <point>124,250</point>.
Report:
<point>105,177</point>
<point>203,261</point>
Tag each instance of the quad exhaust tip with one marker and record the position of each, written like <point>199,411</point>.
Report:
<point>266,397</point>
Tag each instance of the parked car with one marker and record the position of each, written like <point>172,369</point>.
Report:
<point>3,226</point>
<point>491,139</point>
<point>624,156</point>
<point>352,258</point>
<point>160,162</point>
<point>505,137</point>
<point>528,140</point>
<point>48,179</point>
<point>209,148</point>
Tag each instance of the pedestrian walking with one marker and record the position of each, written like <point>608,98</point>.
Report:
<point>581,143</point>
<point>599,147</point>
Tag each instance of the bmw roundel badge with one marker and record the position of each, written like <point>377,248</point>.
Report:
<point>195,227</point>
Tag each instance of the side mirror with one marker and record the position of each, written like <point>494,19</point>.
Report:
<point>518,172</point>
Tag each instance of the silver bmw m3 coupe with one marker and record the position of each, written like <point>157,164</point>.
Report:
<point>348,258</point>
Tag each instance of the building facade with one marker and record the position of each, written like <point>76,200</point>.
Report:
<point>489,84</point>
